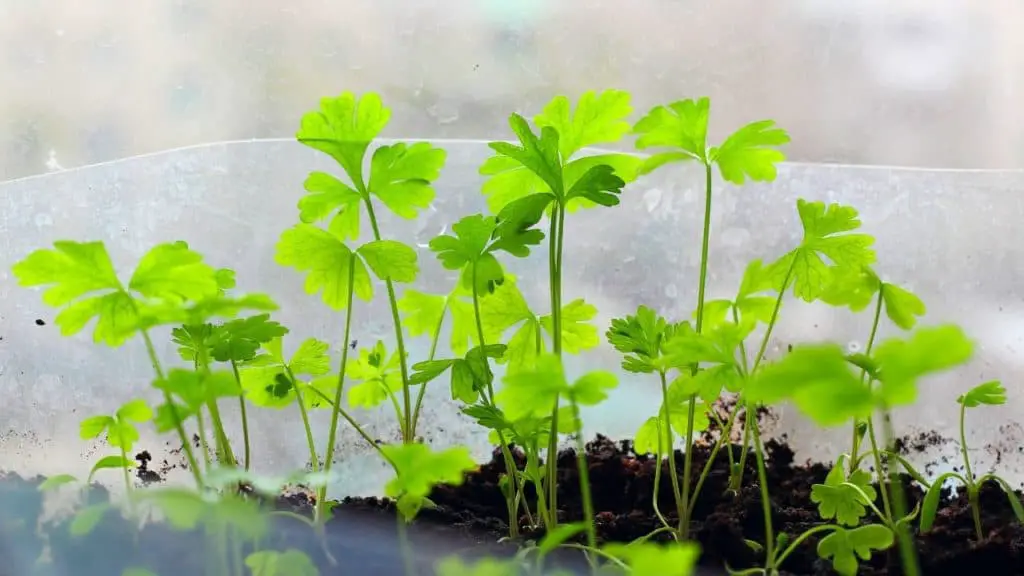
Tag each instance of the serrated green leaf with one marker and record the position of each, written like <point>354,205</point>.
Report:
<point>326,261</point>
<point>390,260</point>
<point>845,546</point>
<point>991,393</point>
<point>578,334</point>
<point>421,313</point>
<point>902,306</point>
<point>597,119</point>
<point>377,375</point>
<point>641,339</point>
<point>344,127</point>
<point>682,124</point>
<point>514,229</point>
<point>174,273</point>
<point>329,196</point>
<point>837,499</point>
<point>650,437</point>
<point>239,340</point>
<point>751,152</point>
<point>401,175</point>
<point>825,236</point>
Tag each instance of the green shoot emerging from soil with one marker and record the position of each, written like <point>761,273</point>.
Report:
<point>989,393</point>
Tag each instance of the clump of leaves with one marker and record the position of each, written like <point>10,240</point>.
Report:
<point>991,393</point>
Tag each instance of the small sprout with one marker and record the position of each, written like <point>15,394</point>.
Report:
<point>844,499</point>
<point>378,375</point>
<point>750,304</point>
<point>990,393</point>
<point>531,394</point>
<point>844,546</point>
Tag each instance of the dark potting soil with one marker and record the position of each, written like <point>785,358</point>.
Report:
<point>469,519</point>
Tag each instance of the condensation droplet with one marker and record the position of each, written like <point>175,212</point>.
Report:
<point>43,220</point>
<point>671,291</point>
<point>853,347</point>
<point>652,198</point>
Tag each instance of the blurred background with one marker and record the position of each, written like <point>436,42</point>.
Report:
<point>935,83</point>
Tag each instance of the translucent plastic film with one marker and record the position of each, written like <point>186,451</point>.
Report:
<point>950,236</point>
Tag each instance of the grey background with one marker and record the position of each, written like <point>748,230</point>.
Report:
<point>933,83</point>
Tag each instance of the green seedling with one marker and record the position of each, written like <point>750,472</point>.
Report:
<point>235,342</point>
<point>399,176</point>
<point>990,393</point>
<point>640,558</point>
<point>820,381</point>
<point>539,176</point>
<point>856,289</point>
<point>171,284</point>
<point>121,433</point>
<point>526,396</point>
<point>680,129</point>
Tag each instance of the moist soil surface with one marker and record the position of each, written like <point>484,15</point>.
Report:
<point>362,535</point>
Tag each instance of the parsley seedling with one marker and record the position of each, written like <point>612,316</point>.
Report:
<point>990,393</point>
<point>542,175</point>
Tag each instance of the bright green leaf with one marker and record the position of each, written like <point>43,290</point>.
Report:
<point>401,175</point>
<point>344,127</point>
<point>597,119</point>
<point>991,393</point>
<point>837,499</point>
<point>531,393</point>
<point>326,260</point>
<point>682,124</point>
<point>751,152</point>
<point>825,235</point>
<point>421,313</point>
<point>845,546</point>
<point>174,273</point>
<point>902,306</point>
<point>578,334</point>
<point>328,195</point>
<point>239,340</point>
<point>54,482</point>
<point>645,557</point>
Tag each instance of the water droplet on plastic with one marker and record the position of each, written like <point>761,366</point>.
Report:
<point>443,113</point>
<point>853,347</point>
<point>43,220</point>
<point>671,291</point>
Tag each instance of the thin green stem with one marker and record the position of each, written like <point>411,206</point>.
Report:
<point>124,468</point>
<point>736,475</point>
<point>775,316</point>
<point>406,413</point>
<point>855,444</point>
<point>766,503</point>
<point>657,488</point>
<point>680,495</point>
<point>245,417</point>
<point>314,460</point>
<point>555,272</point>
<point>879,470</point>
<point>722,440</point>
<point>332,434</point>
<point>972,487</point>
<point>584,474</point>
<point>908,553</point>
<point>510,464</point>
<point>178,426</point>
<point>800,539</point>
<point>704,246</point>
<point>224,452</point>
<point>435,337</point>
<point>684,521</point>
<point>403,547</point>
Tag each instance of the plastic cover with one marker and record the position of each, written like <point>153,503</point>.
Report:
<point>944,234</point>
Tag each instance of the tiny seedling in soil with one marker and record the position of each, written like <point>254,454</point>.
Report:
<point>642,507</point>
